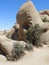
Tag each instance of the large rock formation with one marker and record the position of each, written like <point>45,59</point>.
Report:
<point>28,15</point>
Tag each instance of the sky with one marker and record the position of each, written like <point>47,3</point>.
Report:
<point>9,9</point>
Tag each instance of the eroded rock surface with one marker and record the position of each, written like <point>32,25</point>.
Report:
<point>27,16</point>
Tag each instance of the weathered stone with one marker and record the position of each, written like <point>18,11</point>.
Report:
<point>19,35</point>
<point>2,58</point>
<point>12,31</point>
<point>28,15</point>
<point>45,38</point>
<point>44,12</point>
<point>9,32</point>
<point>2,32</point>
<point>16,26</point>
<point>6,45</point>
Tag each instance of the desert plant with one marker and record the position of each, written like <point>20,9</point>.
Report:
<point>33,35</point>
<point>28,47</point>
<point>10,58</point>
<point>18,51</point>
<point>45,20</point>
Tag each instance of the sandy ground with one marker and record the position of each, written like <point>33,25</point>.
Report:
<point>39,56</point>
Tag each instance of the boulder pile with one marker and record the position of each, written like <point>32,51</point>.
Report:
<point>31,26</point>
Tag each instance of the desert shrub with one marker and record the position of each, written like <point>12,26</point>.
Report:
<point>33,34</point>
<point>10,58</point>
<point>28,47</point>
<point>45,20</point>
<point>17,53</point>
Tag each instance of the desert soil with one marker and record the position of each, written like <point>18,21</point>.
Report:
<point>39,56</point>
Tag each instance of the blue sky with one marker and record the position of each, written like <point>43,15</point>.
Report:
<point>9,9</point>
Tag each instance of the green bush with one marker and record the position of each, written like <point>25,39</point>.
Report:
<point>17,53</point>
<point>33,35</point>
<point>28,47</point>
